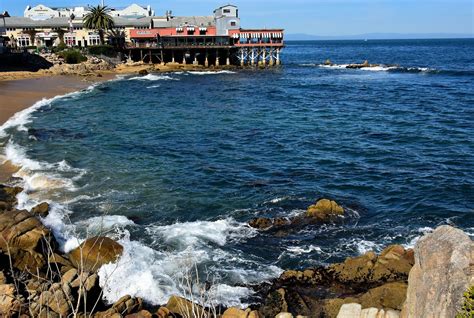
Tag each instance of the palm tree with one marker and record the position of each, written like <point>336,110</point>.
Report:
<point>99,19</point>
<point>116,38</point>
<point>32,33</point>
<point>61,33</point>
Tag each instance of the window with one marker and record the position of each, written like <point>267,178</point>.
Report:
<point>233,23</point>
<point>226,10</point>
<point>23,41</point>
<point>70,40</point>
<point>94,39</point>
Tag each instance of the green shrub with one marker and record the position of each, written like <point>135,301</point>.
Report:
<point>106,50</point>
<point>72,56</point>
<point>467,310</point>
<point>60,47</point>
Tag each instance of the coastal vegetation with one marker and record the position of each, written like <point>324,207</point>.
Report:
<point>100,20</point>
<point>72,56</point>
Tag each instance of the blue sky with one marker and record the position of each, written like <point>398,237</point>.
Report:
<point>319,17</point>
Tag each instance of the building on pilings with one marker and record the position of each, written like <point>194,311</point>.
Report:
<point>212,40</point>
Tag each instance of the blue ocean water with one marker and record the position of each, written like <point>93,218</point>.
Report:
<point>176,164</point>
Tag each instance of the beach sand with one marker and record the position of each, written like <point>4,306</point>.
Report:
<point>16,95</point>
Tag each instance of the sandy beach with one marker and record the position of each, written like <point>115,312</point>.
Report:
<point>18,94</point>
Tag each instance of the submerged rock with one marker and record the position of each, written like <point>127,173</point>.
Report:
<point>441,274</point>
<point>95,252</point>
<point>322,211</point>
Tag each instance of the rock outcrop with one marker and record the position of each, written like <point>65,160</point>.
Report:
<point>95,252</point>
<point>441,274</point>
<point>372,280</point>
<point>324,210</point>
<point>25,239</point>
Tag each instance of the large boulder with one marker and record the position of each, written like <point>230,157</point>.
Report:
<point>95,252</point>
<point>185,308</point>
<point>25,239</point>
<point>441,274</point>
<point>325,210</point>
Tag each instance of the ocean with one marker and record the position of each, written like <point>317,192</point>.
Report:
<point>175,165</point>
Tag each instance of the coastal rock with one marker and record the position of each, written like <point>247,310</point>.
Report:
<point>325,210</point>
<point>354,310</point>
<point>393,264</point>
<point>184,307</point>
<point>9,304</point>
<point>24,238</point>
<point>441,274</point>
<point>140,314</point>
<point>372,280</point>
<point>284,315</point>
<point>127,305</point>
<point>350,311</point>
<point>8,197</point>
<point>58,298</point>
<point>261,223</point>
<point>266,223</point>
<point>390,295</point>
<point>163,312</point>
<point>275,303</point>
<point>235,312</point>
<point>41,210</point>
<point>95,252</point>
<point>143,72</point>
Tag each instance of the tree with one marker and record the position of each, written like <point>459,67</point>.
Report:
<point>61,33</point>
<point>116,38</point>
<point>99,19</point>
<point>32,34</point>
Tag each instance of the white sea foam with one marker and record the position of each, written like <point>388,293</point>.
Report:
<point>153,77</point>
<point>101,224</point>
<point>210,72</point>
<point>154,274</point>
<point>414,240</point>
<point>298,250</point>
<point>23,117</point>
<point>364,246</point>
<point>154,86</point>
<point>192,233</point>
<point>379,68</point>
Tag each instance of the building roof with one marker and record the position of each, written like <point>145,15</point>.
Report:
<point>183,21</point>
<point>63,22</point>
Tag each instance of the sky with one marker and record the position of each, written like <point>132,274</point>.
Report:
<point>317,17</point>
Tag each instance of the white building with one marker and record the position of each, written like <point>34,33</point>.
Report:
<point>42,12</point>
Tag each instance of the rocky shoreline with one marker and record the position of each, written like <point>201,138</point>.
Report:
<point>37,280</point>
<point>95,67</point>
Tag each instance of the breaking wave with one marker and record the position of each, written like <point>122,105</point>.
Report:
<point>153,77</point>
<point>210,72</point>
<point>394,69</point>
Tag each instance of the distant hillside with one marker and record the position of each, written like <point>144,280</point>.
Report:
<point>377,36</point>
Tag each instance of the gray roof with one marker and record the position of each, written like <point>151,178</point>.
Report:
<point>182,21</point>
<point>63,22</point>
